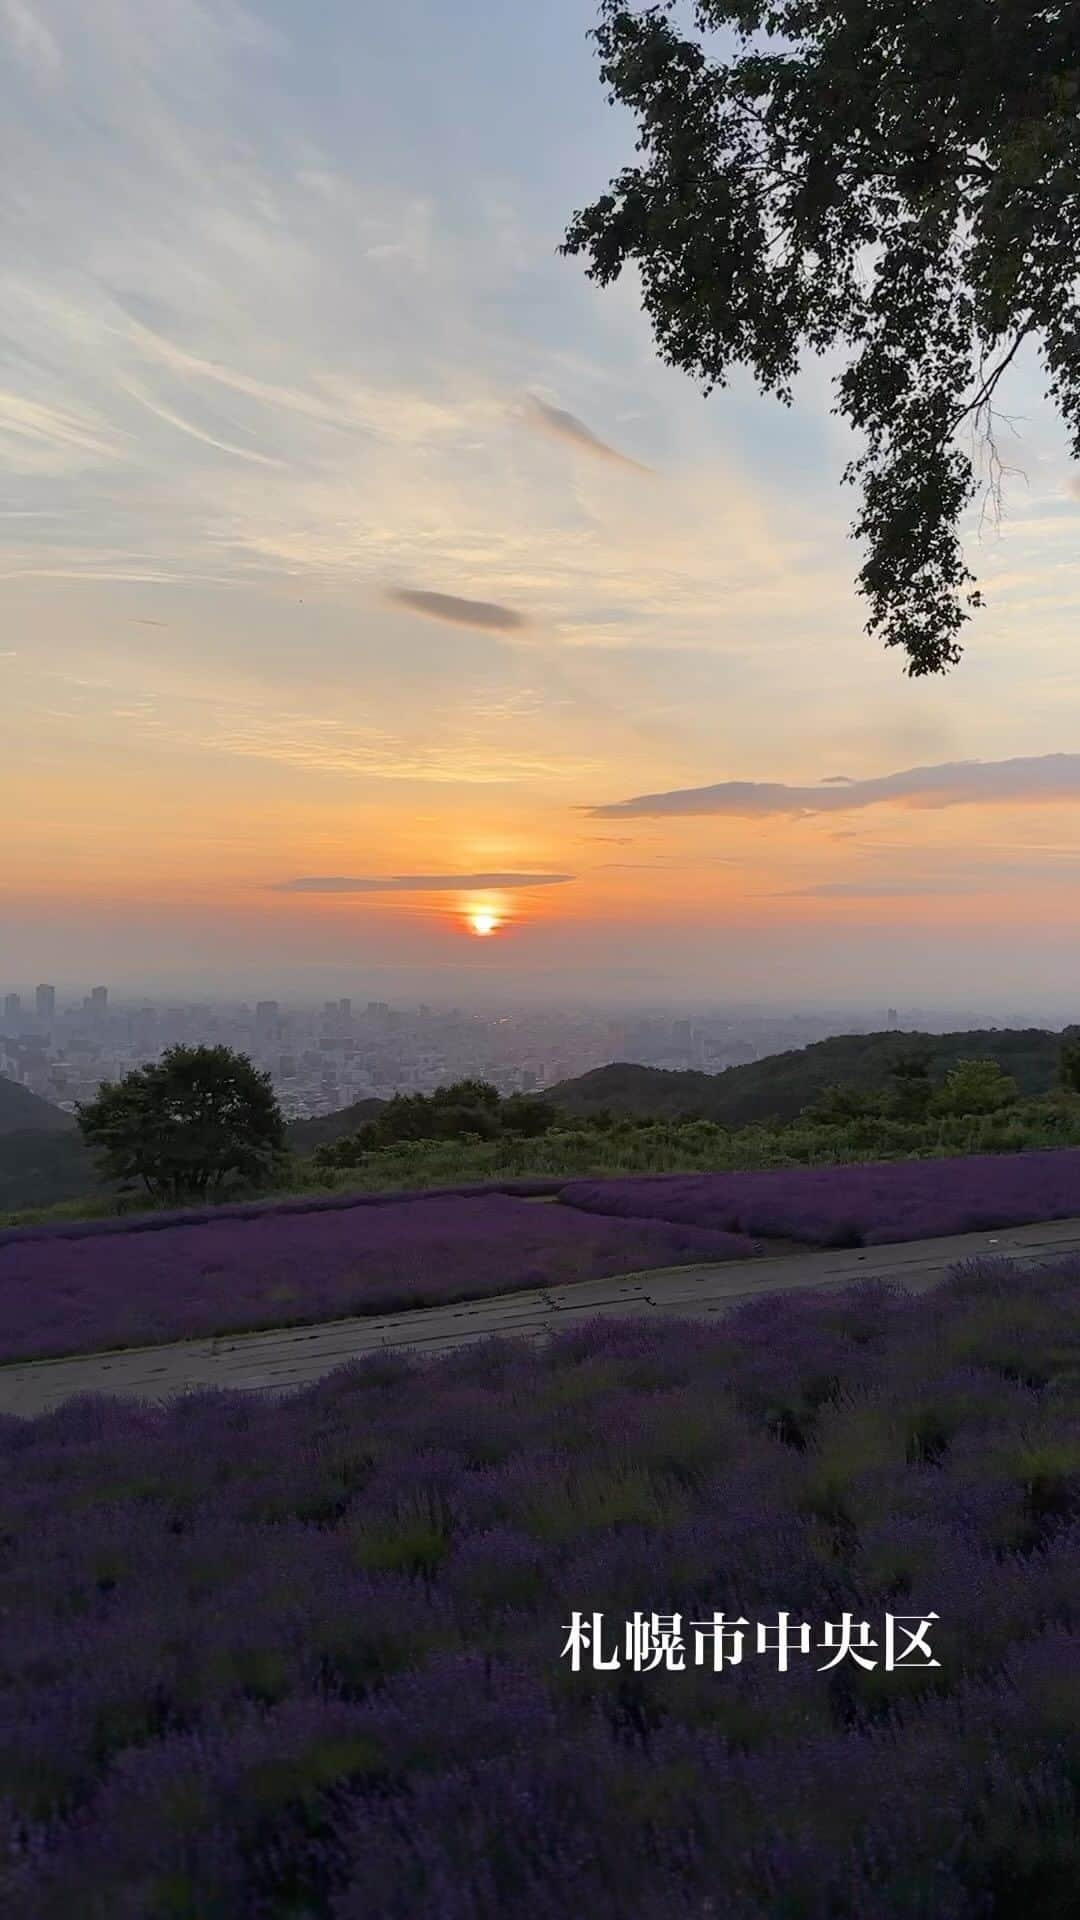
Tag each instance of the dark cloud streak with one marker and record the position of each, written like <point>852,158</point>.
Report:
<point>418,882</point>
<point>567,426</point>
<point>487,614</point>
<point>1037,780</point>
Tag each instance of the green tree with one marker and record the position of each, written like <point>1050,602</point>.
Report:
<point>1069,1060</point>
<point>527,1114</point>
<point>911,1089</point>
<point>465,1093</point>
<point>836,1105</point>
<point>975,1086</point>
<point>942,138</point>
<point>198,1120</point>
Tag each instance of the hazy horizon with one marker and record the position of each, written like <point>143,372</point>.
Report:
<point>378,607</point>
<point>401,993</point>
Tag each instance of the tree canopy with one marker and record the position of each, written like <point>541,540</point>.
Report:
<point>466,1108</point>
<point>944,139</point>
<point>196,1121</point>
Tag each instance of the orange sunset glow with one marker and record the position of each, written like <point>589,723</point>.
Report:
<point>337,643</point>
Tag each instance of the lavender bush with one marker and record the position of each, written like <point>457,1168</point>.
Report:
<point>200,1274</point>
<point>273,1659</point>
<point>851,1205</point>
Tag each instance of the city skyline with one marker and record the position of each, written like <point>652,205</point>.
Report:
<point>321,1058</point>
<point>378,606</point>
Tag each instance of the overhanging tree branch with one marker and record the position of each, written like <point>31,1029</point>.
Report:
<point>766,178</point>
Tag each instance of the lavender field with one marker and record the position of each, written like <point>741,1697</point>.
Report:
<point>274,1659</point>
<point>175,1276</point>
<point>113,1283</point>
<point>846,1206</point>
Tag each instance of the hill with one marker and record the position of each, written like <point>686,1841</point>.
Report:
<point>780,1086</point>
<point>43,1169</point>
<point>305,1135</point>
<point>22,1111</point>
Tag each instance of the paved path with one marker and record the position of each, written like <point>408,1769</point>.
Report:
<point>288,1357</point>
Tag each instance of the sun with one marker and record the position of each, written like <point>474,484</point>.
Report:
<point>484,923</point>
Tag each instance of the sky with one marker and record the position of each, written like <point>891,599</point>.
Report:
<point>367,581</point>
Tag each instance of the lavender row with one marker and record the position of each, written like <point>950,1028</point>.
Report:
<point>263,1659</point>
<point>851,1205</point>
<point>223,1272</point>
<point>163,1218</point>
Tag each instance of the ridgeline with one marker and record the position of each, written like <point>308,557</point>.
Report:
<point>779,1087</point>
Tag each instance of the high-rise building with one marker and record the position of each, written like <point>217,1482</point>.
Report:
<point>99,998</point>
<point>12,1007</point>
<point>892,1016</point>
<point>267,1014</point>
<point>45,1002</point>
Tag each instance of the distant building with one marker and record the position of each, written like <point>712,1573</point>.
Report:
<point>893,1017</point>
<point>267,1014</point>
<point>99,998</point>
<point>45,1003</point>
<point>13,1007</point>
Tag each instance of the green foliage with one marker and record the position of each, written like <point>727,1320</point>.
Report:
<point>899,1111</point>
<point>780,1087</point>
<point>464,1093</point>
<point>527,1115</point>
<point>910,1088</point>
<point>467,1109</point>
<point>199,1121</point>
<point>1070,1060</point>
<point>945,140</point>
<point>837,1105</point>
<point>975,1086</point>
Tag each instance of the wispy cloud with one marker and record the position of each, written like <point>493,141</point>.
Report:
<point>36,438</point>
<point>420,882</point>
<point>487,614</point>
<point>567,426</point>
<point>173,419</point>
<point>32,41</point>
<point>977,876</point>
<point>879,889</point>
<point>1035,780</point>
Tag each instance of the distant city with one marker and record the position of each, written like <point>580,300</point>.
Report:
<point>324,1058</point>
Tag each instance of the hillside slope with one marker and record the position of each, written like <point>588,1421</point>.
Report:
<point>43,1169</point>
<point>305,1135</point>
<point>781,1085</point>
<point>22,1111</point>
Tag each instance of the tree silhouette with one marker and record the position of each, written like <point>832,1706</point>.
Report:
<point>197,1120</point>
<point>945,138</point>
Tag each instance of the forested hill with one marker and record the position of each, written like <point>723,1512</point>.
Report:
<point>22,1111</point>
<point>42,1157</point>
<point>779,1087</point>
<point>305,1135</point>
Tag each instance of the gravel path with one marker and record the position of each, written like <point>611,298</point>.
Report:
<point>289,1357</point>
